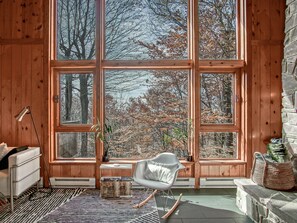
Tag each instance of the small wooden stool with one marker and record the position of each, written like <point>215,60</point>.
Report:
<point>114,187</point>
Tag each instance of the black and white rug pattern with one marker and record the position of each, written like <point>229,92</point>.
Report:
<point>80,205</point>
<point>90,207</point>
<point>32,211</point>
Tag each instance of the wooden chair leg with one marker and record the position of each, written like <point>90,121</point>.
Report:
<point>173,207</point>
<point>146,200</point>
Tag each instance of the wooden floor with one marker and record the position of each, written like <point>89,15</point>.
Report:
<point>205,206</point>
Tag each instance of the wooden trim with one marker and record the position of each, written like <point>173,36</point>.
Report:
<point>237,100</point>
<point>218,162</point>
<point>147,64</point>
<point>238,30</point>
<point>247,117</point>
<point>53,29</point>
<point>100,95</point>
<point>74,128</point>
<point>216,65</point>
<point>72,70</point>
<point>219,128</point>
<point>73,161</point>
<point>73,64</point>
<point>221,64</point>
<point>46,140</point>
<point>195,90</point>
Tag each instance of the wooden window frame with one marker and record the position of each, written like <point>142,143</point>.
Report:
<point>193,63</point>
<point>60,128</point>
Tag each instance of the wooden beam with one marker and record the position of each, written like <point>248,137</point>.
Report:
<point>221,64</point>
<point>150,64</point>
<point>73,64</point>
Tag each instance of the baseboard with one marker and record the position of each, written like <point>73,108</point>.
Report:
<point>72,182</point>
<point>217,183</point>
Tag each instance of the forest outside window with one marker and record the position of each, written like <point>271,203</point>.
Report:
<point>217,29</point>
<point>219,115</point>
<point>143,75</point>
<point>217,94</point>
<point>141,30</point>
<point>75,30</point>
<point>148,111</point>
<point>75,110</point>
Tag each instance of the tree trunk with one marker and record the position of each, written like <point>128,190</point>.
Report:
<point>84,100</point>
<point>68,97</point>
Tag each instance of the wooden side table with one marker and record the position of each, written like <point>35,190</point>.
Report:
<point>115,180</point>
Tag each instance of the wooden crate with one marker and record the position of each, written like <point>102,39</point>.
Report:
<point>115,188</point>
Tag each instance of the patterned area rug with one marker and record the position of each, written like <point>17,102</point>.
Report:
<point>80,205</point>
<point>90,207</point>
<point>32,211</point>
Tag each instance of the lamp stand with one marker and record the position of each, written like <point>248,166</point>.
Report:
<point>19,117</point>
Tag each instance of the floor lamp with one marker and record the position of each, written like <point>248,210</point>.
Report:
<point>19,117</point>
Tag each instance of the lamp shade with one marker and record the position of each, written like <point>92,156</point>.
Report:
<point>25,110</point>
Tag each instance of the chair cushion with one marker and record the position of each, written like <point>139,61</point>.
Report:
<point>152,184</point>
<point>4,161</point>
<point>4,150</point>
<point>160,171</point>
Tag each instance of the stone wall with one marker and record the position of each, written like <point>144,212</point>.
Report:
<point>289,79</point>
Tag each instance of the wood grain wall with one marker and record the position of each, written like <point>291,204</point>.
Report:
<point>24,80</point>
<point>267,19</point>
<point>23,76</point>
<point>21,69</point>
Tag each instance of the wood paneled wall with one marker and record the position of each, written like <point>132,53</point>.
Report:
<point>23,76</point>
<point>24,80</point>
<point>265,45</point>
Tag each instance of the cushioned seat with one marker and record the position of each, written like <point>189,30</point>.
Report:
<point>158,173</point>
<point>152,184</point>
<point>23,172</point>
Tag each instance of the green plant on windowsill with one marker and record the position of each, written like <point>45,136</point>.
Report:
<point>104,135</point>
<point>178,137</point>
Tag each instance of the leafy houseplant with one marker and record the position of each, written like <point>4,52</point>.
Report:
<point>178,137</point>
<point>104,135</point>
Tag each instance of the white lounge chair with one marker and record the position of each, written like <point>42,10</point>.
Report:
<point>22,173</point>
<point>159,174</point>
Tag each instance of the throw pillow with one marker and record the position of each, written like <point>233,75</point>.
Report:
<point>160,172</point>
<point>4,161</point>
<point>3,150</point>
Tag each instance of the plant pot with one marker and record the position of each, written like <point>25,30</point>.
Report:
<point>190,158</point>
<point>105,158</point>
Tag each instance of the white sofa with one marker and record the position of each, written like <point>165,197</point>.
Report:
<point>22,173</point>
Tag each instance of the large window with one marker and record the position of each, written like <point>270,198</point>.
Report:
<point>140,66</point>
<point>74,101</point>
<point>148,110</point>
<point>75,29</point>
<point>137,30</point>
<point>217,29</point>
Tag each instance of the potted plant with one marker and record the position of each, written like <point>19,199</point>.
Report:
<point>178,137</point>
<point>103,134</point>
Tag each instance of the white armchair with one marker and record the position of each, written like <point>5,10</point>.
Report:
<point>22,173</point>
<point>159,174</point>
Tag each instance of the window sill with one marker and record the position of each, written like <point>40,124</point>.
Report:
<point>73,162</point>
<point>215,162</point>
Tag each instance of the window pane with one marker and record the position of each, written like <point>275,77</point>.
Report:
<point>216,98</point>
<point>76,99</point>
<point>76,29</point>
<point>217,29</point>
<point>218,145</point>
<point>154,29</point>
<point>148,111</point>
<point>75,145</point>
